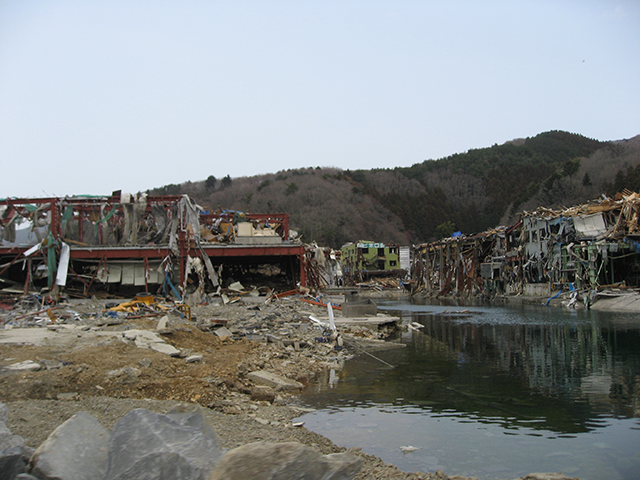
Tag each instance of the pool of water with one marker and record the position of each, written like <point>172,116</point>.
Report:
<point>493,392</point>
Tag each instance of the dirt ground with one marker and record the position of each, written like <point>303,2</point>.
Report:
<point>94,368</point>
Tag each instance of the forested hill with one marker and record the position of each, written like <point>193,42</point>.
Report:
<point>470,192</point>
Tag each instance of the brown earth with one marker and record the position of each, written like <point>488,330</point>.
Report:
<point>87,368</point>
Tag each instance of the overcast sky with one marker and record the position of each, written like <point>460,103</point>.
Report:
<point>97,96</point>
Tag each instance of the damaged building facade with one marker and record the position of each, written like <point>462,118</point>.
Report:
<point>364,259</point>
<point>151,243</point>
<point>578,250</point>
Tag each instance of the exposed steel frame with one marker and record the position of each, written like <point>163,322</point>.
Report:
<point>84,206</point>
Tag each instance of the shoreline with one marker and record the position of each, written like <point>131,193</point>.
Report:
<point>89,362</point>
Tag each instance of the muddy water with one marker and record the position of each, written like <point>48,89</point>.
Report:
<point>495,392</point>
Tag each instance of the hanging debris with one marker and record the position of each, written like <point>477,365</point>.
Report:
<point>576,251</point>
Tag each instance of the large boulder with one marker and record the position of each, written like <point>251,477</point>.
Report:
<point>12,462</point>
<point>180,444</point>
<point>160,466</point>
<point>284,461</point>
<point>8,439</point>
<point>76,450</point>
<point>14,455</point>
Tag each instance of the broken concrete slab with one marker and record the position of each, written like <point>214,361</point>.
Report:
<point>193,358</point>
<point>165,348</point>
<point>369,322</point>
<point>142,336</point>
<point>26,366</point>
<point>260,377</point>
<point>222,332</point>
<point>625,302</point>
<point>28,336</point>
<point>162,323</point>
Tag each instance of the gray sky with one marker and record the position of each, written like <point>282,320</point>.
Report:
<point>97,96</point>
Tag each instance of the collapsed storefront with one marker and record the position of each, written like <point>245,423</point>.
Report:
<point>581,250</point>
<point>133,242</point>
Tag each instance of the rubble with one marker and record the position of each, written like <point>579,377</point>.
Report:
<point>168,244</point>
<point>285,341</point>
<point>572,255</point>
<point>96,358</point>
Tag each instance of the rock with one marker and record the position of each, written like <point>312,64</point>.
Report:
<point>142,436</point>
<point>13,461</point>
<point>160,466</point>
<point>162,323</point>
<point>4,413</point>
<point>130,372</point>
<point>27,365</point>
<point>76,450</point>
<point>7,439</point>
<point>263,393</point>
<point>193,359</point>
<point>260,377</point>
<point>52,364</point>
<point>145,362</point>
<point>283,461</point>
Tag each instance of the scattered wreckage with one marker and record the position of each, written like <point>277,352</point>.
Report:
<point>310,332</point>
<point>123,244</point>
<point>578,253</point>
<point>169,257</point>
<point>127,243</point>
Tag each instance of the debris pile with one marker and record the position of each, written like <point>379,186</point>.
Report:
<point>122,243</point>
<point>574,252</point>
<point>284,336</point>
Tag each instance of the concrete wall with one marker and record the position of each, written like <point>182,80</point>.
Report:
<point>536,289</point>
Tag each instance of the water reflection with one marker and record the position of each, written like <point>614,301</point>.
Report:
<point>562,373</point>
<point>537,372</point>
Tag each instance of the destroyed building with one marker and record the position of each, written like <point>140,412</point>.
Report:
<point>140,242</point>
<point>581,249</point>
<point>365,259</point>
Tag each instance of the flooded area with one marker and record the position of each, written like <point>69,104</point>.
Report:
<point>493,392</point>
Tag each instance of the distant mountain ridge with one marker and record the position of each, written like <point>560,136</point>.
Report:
<point>470,192</point>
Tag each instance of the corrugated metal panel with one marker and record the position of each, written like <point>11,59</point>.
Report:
<point>589,225</point>
<point>405,258</point>
<point>128,274</point>
<point>138,273</point>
